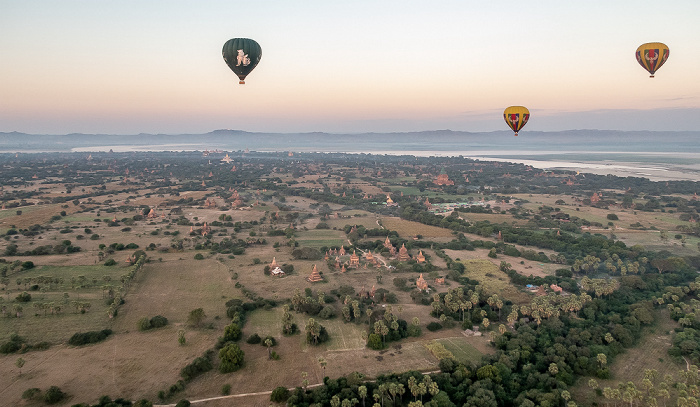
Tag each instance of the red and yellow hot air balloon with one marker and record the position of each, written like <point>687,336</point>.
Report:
<point>516,117</point>
<point>651,56</point>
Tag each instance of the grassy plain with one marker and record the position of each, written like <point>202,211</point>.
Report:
<point>493,280</point>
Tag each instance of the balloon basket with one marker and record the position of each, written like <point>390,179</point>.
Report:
<point>516,134</point>
<point>241,82</point>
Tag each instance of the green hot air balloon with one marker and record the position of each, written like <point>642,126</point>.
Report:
<point>242,56</point>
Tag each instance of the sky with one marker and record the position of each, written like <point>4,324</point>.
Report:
<point>129,67</point>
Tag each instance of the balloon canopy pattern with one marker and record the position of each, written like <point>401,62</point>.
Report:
<point>651,56</point>
<point>242,56</point>
<point>516,117</point>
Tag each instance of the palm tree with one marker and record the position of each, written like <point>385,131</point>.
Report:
<point>322,362</point>
<point>362,392</point>
<point>268,343</point>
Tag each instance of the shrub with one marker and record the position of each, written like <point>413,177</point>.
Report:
<point>85,338</point>
<point>374,341</point>
<point>231,357</point>
<point>31,394</point>
<point>612,216</point>
<point>158,321</point>
<point>434,326</point>
<point>327,312</point>
<point>279,395</point>
<point>198,366</point>
<point>253,339</point>
<point>199,256</point>
<point>232,332</point>
<point>226,389</point>
<point>53,395</point>
<point>143,324</point>
<point>15,343</point>
<point>24,297</point>
<point>110,262</point>
<point>183,403</point>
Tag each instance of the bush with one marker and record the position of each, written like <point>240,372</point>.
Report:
<point>279,395</point>
<point>143,324</point>
<point>158,321</point>
<point>327,312</point>
<point>53,395</point>
<point>24,297</point>
<point>110,262</point>
<point>253,339</point>
<point>226,389</point>
<point>183,403</point>
<point>31,394</point>
<point>232,332</point>
<point>15,343</point>
<point>198,366</point>
<point>199,256</point>
<point>612,216</point>
<point>85,338</point>
<point>231,357</point>
<point>434,326</point>
<point>374,341</point>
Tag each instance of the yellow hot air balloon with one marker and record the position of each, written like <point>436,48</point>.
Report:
<point>516,117</point>
<point>651,56</point>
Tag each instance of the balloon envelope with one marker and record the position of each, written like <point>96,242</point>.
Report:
<point>651,56</point>
<point>516,117</point>
<point>242,56</point>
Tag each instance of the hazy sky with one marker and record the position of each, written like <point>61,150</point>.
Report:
<point>152,66</point>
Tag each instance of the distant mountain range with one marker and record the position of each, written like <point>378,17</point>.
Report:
<point>444,141</point>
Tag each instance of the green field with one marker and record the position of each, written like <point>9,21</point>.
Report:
<point>461,350</point>
<point>493,280</point>
<point>318,238</point>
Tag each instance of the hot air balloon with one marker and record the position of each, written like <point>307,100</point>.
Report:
<point>516,117</point>
<point>242,56</point>
<point>651,56</point>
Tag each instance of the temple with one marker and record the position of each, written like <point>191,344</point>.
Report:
<point>443,179</point>
<point>403,254</point>
<point>315,276</point>
<point>354,260</point>
<point>421,283</point>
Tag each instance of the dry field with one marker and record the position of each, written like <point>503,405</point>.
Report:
<point>407,229</point>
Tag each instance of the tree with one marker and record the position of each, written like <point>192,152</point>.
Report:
<point>232,333</point>
<point>268,343</point>
<point>19,363</point>
<point>279,394</point>
<point>322,362</point>
<point>181,337</point>
<point>231,357</point>
<point>602,359</point>
<point>313,331</point>
<point>53,395</point>
<point>196,317</point>
<point>362,392</point>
